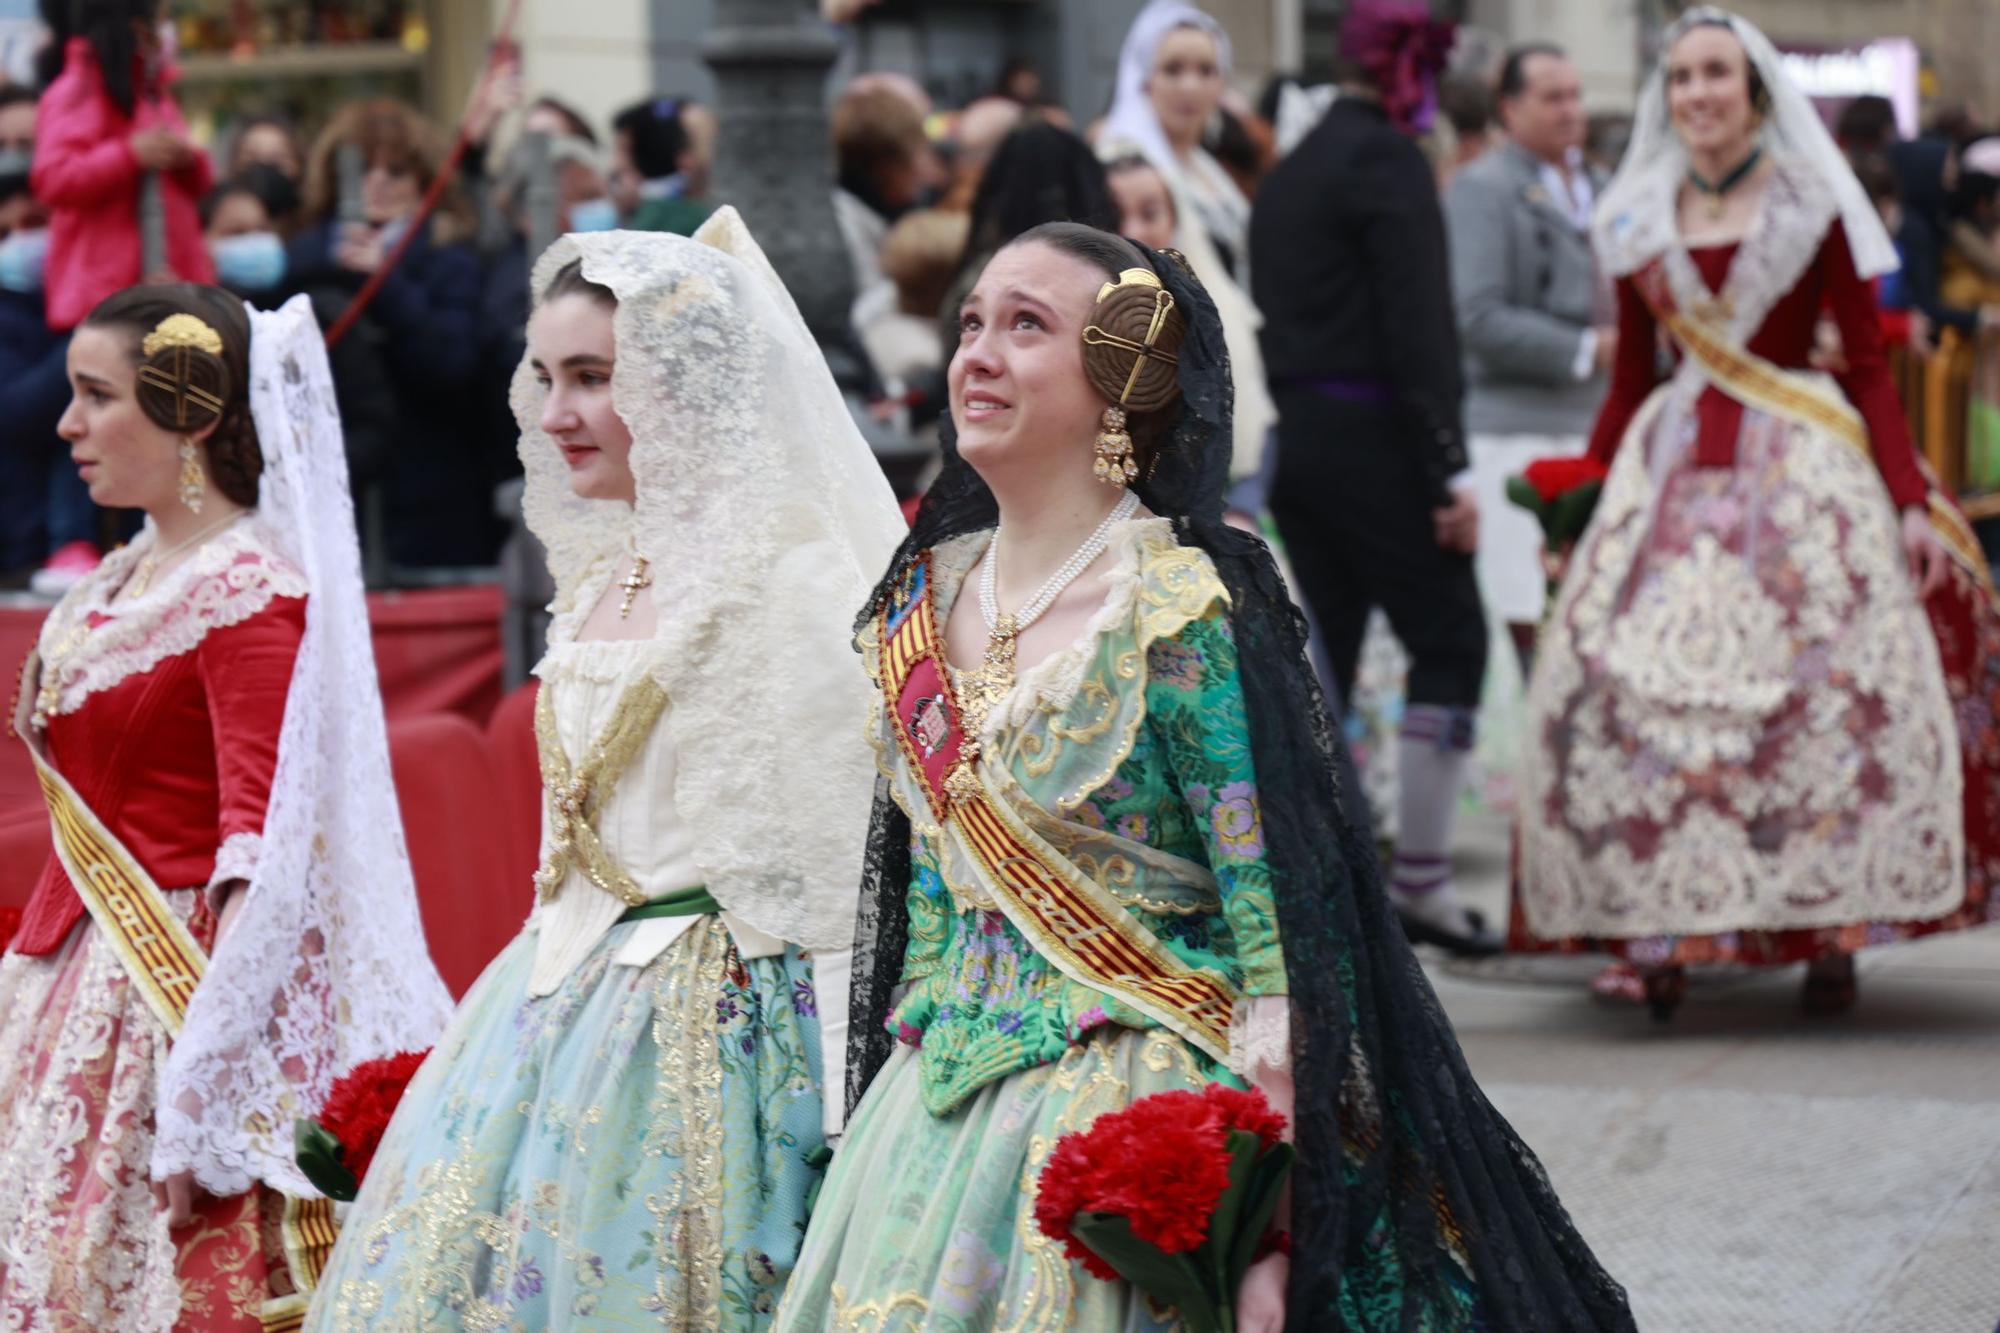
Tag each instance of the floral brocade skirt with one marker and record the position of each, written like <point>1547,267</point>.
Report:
<point>628,1152</point>
<point>1750,742</point>
<point>927,1222</point>
<point>82,1244</point>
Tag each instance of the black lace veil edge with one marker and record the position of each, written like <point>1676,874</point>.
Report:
<point>1398,1148</point>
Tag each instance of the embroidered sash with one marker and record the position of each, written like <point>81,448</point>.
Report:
<point>1069,918</point>
<point>577,793</point>
<point>165,964</point>
<point>158,952</point>
<point>1797,398</point>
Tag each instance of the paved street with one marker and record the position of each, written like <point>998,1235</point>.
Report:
<point>1749,1169</point>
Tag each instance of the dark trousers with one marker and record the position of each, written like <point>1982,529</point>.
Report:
<point>1354,508</point>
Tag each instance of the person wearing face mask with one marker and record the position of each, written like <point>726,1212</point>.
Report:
<point>46,518</point>
<point>249,254</point>
<point>416,352</point>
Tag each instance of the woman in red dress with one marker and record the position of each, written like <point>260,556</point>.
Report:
<point>228,921</point>
<point>1764,728</point>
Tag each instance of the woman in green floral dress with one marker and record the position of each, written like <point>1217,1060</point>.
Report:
<point>1108,862</point>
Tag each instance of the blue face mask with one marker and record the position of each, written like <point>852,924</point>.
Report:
<point>22,257</point>
<point>593,215</point>
<point>251,262</point>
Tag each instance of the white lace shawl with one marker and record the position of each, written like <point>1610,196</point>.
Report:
<point>1637,215</point>
<point>325,965</point>
<point>766,521</point>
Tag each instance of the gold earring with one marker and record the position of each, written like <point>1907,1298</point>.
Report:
<point>194,482</point>
<point>1115,465</point>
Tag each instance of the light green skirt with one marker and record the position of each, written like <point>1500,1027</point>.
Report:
<point>625,1153</point>
<point>929,1223</point>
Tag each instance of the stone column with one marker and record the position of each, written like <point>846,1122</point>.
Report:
<point>774,161</point>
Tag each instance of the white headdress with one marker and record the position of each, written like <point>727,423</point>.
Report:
<point>325,964</point>
<point>766,521</point>
<point>1636,216</point>
<point>1134,126</point>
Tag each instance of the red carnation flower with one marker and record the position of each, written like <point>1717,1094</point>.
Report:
<point>1554,478</point>
<point>359,1106</point>
<point>1247,1111</point>
<point>1137,1195</point>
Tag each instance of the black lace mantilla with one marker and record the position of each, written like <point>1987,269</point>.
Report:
<point>1408,1179</point>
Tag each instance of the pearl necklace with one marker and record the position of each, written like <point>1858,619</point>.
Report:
<point>986,686</point>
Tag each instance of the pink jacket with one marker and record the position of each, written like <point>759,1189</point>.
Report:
<point>86,175</point>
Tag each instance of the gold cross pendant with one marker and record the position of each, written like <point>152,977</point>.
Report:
<point>633,583</point>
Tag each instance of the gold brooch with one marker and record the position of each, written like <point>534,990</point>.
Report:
<point>182,330</point>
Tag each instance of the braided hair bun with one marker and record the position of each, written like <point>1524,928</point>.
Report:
<point>1132,343</point>
<point>191,344</point>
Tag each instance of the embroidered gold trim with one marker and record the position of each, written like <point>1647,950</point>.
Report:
<point>576,793</point>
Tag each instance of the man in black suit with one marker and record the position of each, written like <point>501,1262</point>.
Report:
<point>1349,268</point>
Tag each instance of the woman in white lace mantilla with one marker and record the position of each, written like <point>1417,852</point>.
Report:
<point>1762,728</point>
<point>229,921</point>
<point>620,1125</point>
<point>1172,71</point>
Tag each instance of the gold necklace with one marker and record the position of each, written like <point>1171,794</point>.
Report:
<point>984,687</point>
<point>634,583</point>
<point>143,579</point>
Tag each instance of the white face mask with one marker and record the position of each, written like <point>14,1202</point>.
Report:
<point>593,215</point>
<point>23,256</point>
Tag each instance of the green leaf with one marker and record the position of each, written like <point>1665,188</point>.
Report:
<point>1171,1279</point>
<point>1572,512</point>
<point>1261,1194</point>
<point>1225,1223</point>
<point>322,1160</point>
<point>1525,495</point>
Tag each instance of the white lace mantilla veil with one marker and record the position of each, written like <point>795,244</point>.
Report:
<point>1636,217</point>
<point>325,964</point>
<point>1133,126</point>
<point>767,522</point>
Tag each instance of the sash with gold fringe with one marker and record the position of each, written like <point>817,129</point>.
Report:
<point>1084,931</point>
<point>165,964</point>
<point>1797,398</point>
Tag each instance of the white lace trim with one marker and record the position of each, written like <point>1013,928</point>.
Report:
<point>1051,684</point>
<point>230,578</point>
<point>235,859</point>
<point>1260,1036</point>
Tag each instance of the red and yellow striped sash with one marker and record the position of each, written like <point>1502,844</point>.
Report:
<point>1084,931</point>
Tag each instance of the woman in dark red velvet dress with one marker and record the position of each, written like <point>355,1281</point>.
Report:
<point>1763,729</point>
<point>229,921</point>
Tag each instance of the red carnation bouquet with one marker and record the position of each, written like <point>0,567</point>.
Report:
<point>1174,1194</point>
<point>334,1151</point>
<point>1562,494</point>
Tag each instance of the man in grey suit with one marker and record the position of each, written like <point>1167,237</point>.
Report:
<point>1534,313</point>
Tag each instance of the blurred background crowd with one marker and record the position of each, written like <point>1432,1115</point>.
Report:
<point>290,148</point>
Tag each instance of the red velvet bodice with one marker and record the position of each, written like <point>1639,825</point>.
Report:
<point>176,759</point>
<point>1786,339</point>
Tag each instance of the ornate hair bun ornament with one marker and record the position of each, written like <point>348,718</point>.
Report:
<point>1131,354</point>
<point>182,330</point>
<point>183,360</point>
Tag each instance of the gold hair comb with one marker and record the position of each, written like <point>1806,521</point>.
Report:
<point>182,331</point>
